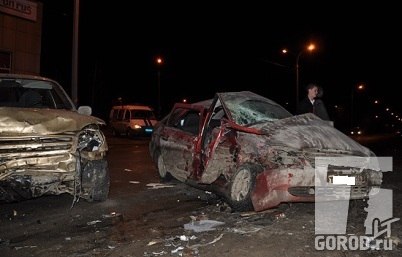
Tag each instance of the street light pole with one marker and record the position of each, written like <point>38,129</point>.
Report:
<point>74,73</point>
<point>351,108</point>
<point>297,78</point>
<point>359,87</point>
<point>159,92</point>
<point>159,62</point>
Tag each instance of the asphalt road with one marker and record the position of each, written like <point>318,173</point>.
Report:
<point>140,219</point>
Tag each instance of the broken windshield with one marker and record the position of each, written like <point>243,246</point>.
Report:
<point>247,108</point>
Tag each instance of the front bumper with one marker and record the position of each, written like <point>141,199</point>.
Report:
<point>299,185</point>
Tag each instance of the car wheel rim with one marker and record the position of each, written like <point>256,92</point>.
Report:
<point>161,167</point>
<point>241,185</point>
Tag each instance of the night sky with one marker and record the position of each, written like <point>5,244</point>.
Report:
<point>209,47</point>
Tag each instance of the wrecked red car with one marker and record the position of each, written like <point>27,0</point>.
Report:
<point>252,151</point>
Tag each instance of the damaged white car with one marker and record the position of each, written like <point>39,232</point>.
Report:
<point>47,146</point>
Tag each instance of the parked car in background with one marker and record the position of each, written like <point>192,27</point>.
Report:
<point>132,120</point>
<point>253,152</point>
<point>47,145</point>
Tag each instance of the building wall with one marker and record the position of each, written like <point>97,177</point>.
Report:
<point>22,39</point>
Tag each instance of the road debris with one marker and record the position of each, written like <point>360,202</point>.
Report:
<point>89,223</point>
<point>157,185</point>
<point>251,213</point>
<point>209,243</point>
<point>155,241</point>
<point>177,249</point>
<point>202,225</point>
<point>25,246</point>
<point>146,254</point>
<point>245,230</point>
<point>111,215</point>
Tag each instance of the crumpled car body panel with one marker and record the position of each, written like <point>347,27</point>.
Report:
<point>244,133</point>
<point>19,121</point>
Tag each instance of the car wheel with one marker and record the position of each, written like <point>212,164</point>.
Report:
<point>241,186</point>
<point>163,173</point>
<point>96,180</point>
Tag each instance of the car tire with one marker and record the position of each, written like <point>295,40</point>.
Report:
<point>241,186</point>
<point>164,175</point>
<point>96,180</point>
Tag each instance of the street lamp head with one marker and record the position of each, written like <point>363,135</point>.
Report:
<point>159,60</point>
<point>311,47</point>
<point>285,51</point>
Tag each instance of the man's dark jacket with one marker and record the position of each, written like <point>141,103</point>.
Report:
<point>318,108</point>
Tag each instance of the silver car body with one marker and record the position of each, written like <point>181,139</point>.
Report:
<point>46,145</point>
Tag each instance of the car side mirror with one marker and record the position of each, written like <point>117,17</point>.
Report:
<point>85,110</point>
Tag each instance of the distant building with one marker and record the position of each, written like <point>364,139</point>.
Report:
<point>20,36</point>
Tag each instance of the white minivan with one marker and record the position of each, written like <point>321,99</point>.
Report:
<point>132,120</point>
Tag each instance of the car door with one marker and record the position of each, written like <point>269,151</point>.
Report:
<point>119,125</point>
<point>219,147</point>
<point>179,140</point>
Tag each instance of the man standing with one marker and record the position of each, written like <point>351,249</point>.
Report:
<point>312,103</point>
